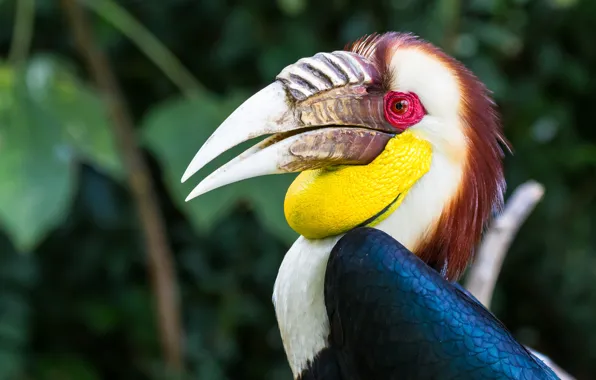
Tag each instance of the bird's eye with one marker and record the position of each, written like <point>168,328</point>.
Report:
<point>403,109</point>
<point>400,106</point>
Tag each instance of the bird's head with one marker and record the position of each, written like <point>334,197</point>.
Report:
<point>390,132</point>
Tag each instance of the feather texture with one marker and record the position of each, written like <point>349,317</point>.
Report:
<point>393,317</point>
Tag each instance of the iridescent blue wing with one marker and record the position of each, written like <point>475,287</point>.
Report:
<point>393,317</point>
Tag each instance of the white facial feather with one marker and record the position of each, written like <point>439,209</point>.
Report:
<point>418,71</point>
<point>415,70</point>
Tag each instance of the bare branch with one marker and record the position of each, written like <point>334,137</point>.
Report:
<point>160,263</point>
<point>558,370</point>
<point>23,31</point>
<point>487,266</point>
<point>485,271</point>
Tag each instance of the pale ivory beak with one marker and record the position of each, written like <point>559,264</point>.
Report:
<point>328,123</point>
<point>265,112</point>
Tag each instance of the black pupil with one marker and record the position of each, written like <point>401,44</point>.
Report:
<point>400,105</point>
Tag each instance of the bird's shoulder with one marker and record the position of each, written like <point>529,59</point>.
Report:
<point>393,316</point>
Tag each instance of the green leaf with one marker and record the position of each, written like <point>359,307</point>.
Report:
<point>80,111</point>
<point>176,130</point>
<point>562,4</point>
<point>48,120</point>
<point>292,7</point>
<point>35,168</point>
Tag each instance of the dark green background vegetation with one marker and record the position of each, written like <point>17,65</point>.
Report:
<point>75,300</point>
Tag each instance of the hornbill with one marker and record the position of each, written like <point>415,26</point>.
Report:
<point>399,149</point>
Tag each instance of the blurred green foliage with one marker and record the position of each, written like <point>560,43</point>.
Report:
<point>75,300</point>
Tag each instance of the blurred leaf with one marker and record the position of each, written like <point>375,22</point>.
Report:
<point>292,7</point>
<point>562,4</point>
<point>466,45</point>
<point>488,6</point>
<point>80,112</point>
<point>35,168</point>
<point>545,129</point>
<point>47,120</point>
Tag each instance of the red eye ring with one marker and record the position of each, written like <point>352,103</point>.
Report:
<point>402,109</point>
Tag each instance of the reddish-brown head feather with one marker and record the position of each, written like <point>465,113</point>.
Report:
<point>449,245</point>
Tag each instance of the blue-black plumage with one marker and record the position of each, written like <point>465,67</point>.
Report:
<point>394,317</point>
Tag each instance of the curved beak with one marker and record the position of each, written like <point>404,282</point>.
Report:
<point>319,114</point>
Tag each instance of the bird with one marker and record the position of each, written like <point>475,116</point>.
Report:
<point>399,152</point>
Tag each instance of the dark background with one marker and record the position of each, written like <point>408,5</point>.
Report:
<point>75,299</point>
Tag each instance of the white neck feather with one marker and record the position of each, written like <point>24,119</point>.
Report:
<point>299,300</point>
